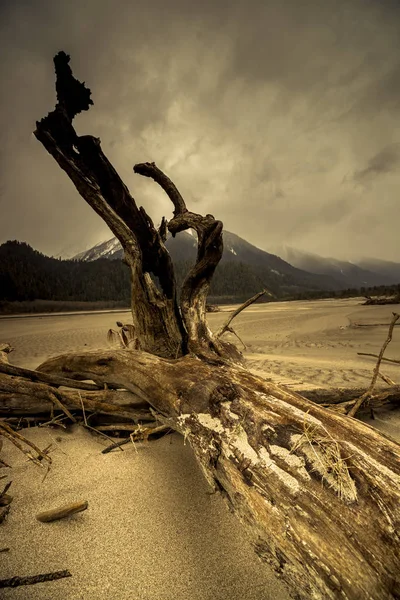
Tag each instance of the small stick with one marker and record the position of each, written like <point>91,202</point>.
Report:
<point>231,330</point>
<point>87,426</point>
<point>352,412</point>
<point>20,447</point>
<point>55,421</point>
<point>355,324</point>
<point>146,432</point>
<point>13,436</point>
<point>17,581</point>
<point>62,512</point>
<point>387,379</point>
<point>117,427</point>
<point>61,406</point>
<point>391,360</point>
<point>4,549</point>
<point>235,313</point>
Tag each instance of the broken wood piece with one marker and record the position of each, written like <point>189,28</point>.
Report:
<point>62,512</point>
<point>30,580</point>
<point>4,549</point>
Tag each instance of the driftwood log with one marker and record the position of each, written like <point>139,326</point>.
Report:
<point>319,492</point>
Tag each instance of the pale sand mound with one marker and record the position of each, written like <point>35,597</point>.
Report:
<point>152,530</point>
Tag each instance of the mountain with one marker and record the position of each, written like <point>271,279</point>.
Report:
<point>110,249</point>
<point>261,267</point>
<point>388,269</point>
<point>367,273</point>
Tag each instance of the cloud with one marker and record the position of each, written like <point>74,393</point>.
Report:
<point>384,162</point>
<point>257,110</point>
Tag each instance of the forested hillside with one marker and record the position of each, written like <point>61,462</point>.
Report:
<point>26,274</point>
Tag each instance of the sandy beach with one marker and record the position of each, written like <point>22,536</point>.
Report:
<point>152,529</point>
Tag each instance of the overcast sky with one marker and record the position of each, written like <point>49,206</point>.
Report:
<point>280,117</point>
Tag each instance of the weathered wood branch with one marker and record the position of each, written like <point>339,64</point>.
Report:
<point>155,313</point>
<point>8,369</point>
<point>318,491</point>
<point>226,326</point>
<point>195,288</point>
<point>23,397</point>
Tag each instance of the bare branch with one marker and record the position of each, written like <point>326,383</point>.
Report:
<point>225,327</point>
<point>353,411</point>
<point>151,170</point>
<point>391,360</point>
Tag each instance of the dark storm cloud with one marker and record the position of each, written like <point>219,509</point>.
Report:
<point>270,115</point>
<point>384,162</point>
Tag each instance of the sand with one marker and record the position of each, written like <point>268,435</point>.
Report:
<point>152,529</point>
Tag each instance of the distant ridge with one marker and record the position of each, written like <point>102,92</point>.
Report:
<point>333,273</point>
<point>366,273</point>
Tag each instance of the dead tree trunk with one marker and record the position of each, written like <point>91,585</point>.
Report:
<point>318,491</point>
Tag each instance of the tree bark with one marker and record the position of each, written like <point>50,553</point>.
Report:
<point>319,492</point>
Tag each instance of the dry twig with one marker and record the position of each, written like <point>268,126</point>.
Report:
<point>87,426</point>
<point>16,438</point>
<point>141,433</point>
<point>226,326</point>
<point>391,360</point>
